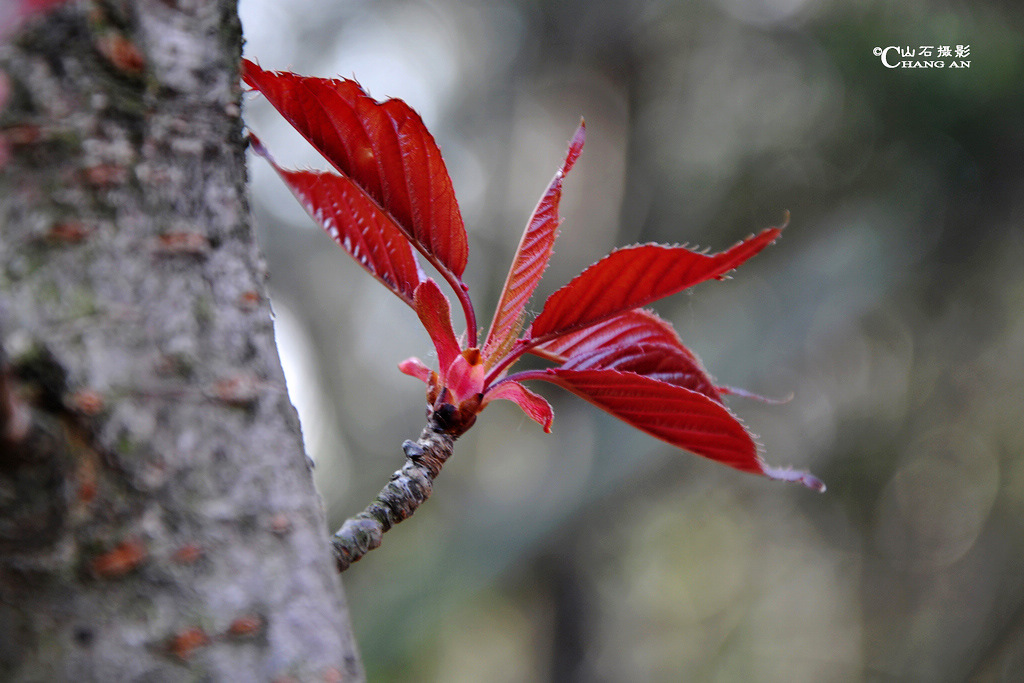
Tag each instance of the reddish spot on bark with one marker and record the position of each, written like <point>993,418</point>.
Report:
<point>37,6</point>
<point>120,561</point>
<point>246,625</point>
<point>22,134</point>
<point>238,390</point>
<point>189,243</point>
<point>187,642</point>
<point>87,491</point>
<point>87,402</point>
<point>249,299</point>
<point>280,524</point>
<point>15,417</point>
<point>105,175</point>
<point>332,675</point>
<point>69,232</point>
<point>187,554</point>
<point>121,53</point>
<point>87,480</point>
<point>174,364</point>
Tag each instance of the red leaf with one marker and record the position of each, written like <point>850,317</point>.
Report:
<point>635,341</point>
<point>682,417</point>
<point>674,414</point>
<point>531,259</point>
<point>535,407</point>
<point>357,224</point>
<point>432,307</point>
<point>635,276</point>
<point>638,327</point>
<point>383,147</point>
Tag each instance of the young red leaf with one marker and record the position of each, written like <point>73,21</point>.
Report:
<point>414,367</point>
<point>635,341</point>
<point>383,147</point>
<point>684,418</point>
<point>636,276</point>
<point>535,407</point>
<point>432,307</point>
<point>464,379</point>
<point>531,259</point>
<point>356,223</point>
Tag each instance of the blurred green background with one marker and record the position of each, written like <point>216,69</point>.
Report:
<point>892,308</point>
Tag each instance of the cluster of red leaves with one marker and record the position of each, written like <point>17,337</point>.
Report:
<point>392,198</point>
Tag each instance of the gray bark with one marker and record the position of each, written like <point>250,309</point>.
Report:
<point>157,514</point>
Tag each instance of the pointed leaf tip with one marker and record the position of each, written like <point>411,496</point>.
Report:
<point>575,147</point>
<point>798,476</point>
<point>531,259</point>
<point>743,393</point>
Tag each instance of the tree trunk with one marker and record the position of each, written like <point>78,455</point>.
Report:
<point>158,519</point>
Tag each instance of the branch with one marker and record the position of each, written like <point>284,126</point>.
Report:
<point>408,489</point>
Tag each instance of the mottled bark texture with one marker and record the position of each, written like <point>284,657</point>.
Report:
<point>408,488</point>
<point>159,520</point>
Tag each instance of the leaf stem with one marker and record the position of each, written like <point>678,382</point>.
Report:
<point>524,376</point>
<point>518,349</point>
<point>462,291</point>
